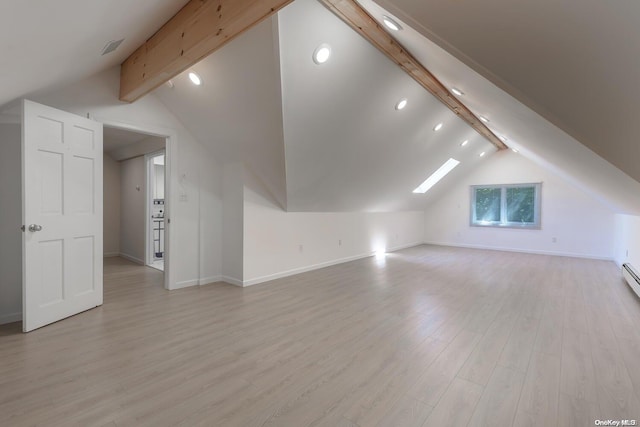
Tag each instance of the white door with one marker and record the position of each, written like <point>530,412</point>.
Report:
<point>62,214</point>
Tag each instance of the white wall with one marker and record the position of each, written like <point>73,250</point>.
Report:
<point>211,219</point>
<point>581,225</point>
<point>232,220</point>
<point>98,96</point>
<point>627,240</point>
<point>10,222</point>
<point>273,237</point>
<point>133,197</point>
<point>111,211</point>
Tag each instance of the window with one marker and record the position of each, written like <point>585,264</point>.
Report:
<point>512,205</point>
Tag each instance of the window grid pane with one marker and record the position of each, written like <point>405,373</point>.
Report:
<point>488,204</point>
<point>510,205</point>
<point>521,204</point>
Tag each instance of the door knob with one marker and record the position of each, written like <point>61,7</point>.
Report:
<point>35,227</point>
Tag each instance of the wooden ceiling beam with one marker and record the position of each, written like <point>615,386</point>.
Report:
<point>359,19</point>
<point>197,30</point>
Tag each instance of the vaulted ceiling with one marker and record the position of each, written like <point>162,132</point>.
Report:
<point>321,137</point>
<point>555,81</point>
<point>347,147</point>
<point>47,43</point>
<point>524,128</point>
<point>576,64</point>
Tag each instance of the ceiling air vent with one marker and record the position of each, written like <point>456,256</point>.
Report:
<point>111,46</point>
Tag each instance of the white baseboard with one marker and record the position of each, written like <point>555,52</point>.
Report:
<point>405,246</point>
<point>232,281</point>
<point>10,318</point>
<point>274,276</point>
<point>132,258</point>
<point>198,282</point>
<point>519,250</point>
<point>208,280</point>
<point>237,282</point>
<point>110,254</point>
<point>186,284</point>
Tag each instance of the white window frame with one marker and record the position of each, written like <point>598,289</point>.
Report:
<point>503,223</point>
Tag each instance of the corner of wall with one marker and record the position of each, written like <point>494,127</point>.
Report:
<point>233,221</point>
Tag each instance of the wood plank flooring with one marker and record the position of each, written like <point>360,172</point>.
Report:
<point>428,336</point>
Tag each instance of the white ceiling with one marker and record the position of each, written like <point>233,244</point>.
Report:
<point>322,138</point>
<point>114,138</point>
<point>237,111</point>
<point>536,137</point>
<point>347,148</point>
<point>47,43</point>
<point>574,63</point>
<point>327,138</point>
<point>121,144</point>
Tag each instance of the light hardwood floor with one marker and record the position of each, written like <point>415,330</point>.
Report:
<point>428,336</point>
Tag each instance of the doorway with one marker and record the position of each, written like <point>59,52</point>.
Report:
<point>135,205</point>
<point>155,164</point>
<point>55,257</point>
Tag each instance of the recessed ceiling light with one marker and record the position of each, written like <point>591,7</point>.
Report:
<point>437,176</point>
<point>482,154</point>
<point>515,150</point>
<point>438,127</point>
<point>484,119</point>
<point>195,79</point>
<point>322,54</point>
<point>457,92</point>
<point>391,24</point>
<point>465,142</point>
<point>401,104</point>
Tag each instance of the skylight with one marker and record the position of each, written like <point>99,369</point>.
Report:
<point>437,176</point>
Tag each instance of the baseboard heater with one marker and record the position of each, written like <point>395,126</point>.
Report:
<point>631,277</point>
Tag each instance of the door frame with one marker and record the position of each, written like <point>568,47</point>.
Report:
<point>171,173</point>
<point>149,256</point>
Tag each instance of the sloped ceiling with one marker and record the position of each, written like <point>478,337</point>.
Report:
<point>347,147</point>
<point>535,136</point>
<point>48,43</point>
<point>574,63</point>
<point>237,111</point>
<point>321,138</point>
<point>327,137</point>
